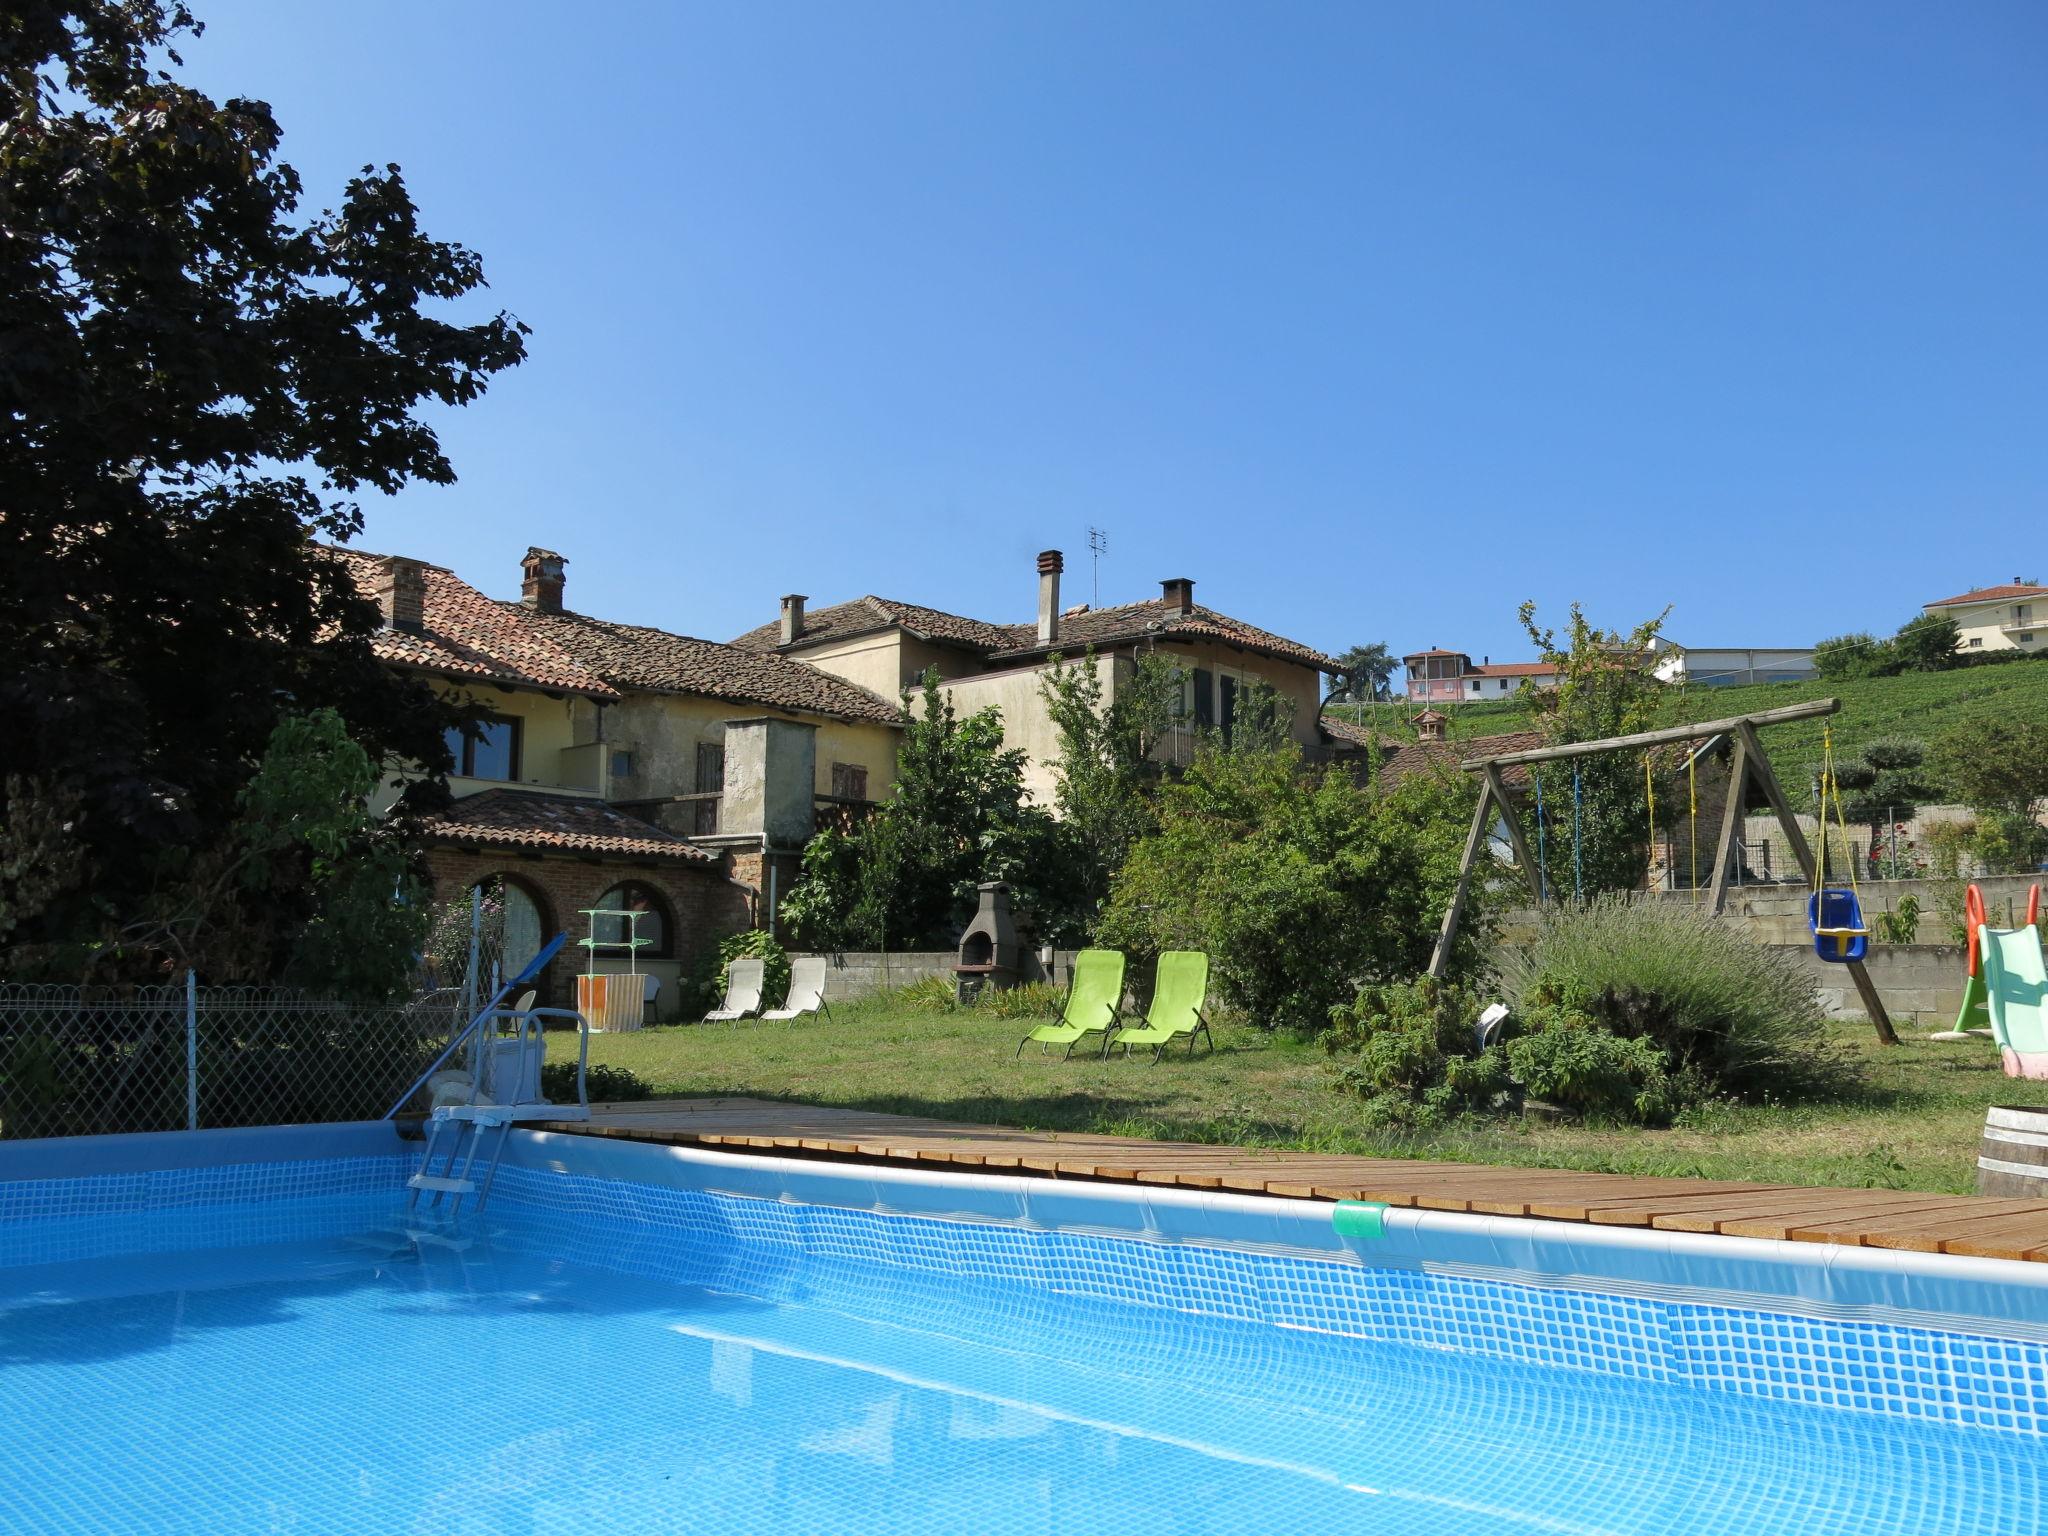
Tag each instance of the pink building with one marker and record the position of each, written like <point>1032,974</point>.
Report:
<point>1449,677</point>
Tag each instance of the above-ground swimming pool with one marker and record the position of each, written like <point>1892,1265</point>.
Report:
<point>240,1332</point>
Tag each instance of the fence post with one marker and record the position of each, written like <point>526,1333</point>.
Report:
<point>191,1051</point>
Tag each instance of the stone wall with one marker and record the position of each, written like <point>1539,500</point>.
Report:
<point>1921,984</point>
<point>851,974</point>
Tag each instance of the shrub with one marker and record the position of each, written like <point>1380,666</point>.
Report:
<point>1569,1061</point>
<point>604,1084</point>
<point>932,994</point>
<point>1300,883</point>
<point>1413,1054</point>
<point>1899,925</point>
<point>1033,1000</point>
<point>757,944</point>
<point>1736,1017</point>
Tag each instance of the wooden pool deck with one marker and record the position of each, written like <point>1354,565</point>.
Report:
<point>1873,1218</point>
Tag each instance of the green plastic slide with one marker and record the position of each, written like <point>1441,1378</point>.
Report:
<point>1092,1002</point>
<point>1178,992</point>
<point>2016,995</point>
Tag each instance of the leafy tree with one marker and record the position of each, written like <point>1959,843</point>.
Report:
<point>1927,644</point>
<point>306,886</point>
<point>1106,766</point>
<point>1844,658</point>
<point>1605,687</point>
<point>2000,769</point>
<point>1365,675</point>
<point>1301,884</point>
<point>196,380</point>
<point>959,815</point>
<point>1885,779</point>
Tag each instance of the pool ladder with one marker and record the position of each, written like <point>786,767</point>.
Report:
<point>506,1050</point>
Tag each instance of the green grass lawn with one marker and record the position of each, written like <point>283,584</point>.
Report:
<point>1913,1124</point>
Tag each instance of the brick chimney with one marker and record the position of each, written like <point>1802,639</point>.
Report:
<point>1050,564</point>
<point>401,592</point>
<point>792,617</point>
<point>542,580</point>
<point>1429,725</point>
<point>1179,592</point>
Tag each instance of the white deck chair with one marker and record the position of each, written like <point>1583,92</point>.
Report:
<point>806,991</point>
<point>742,993</point>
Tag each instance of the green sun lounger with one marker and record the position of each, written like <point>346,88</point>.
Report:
<point>1092,1002</point>
<point>1178,992</point>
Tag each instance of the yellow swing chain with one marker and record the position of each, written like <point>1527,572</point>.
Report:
<point>1831,787</point>
<point>1650,799</point>
<point>1692,810</point>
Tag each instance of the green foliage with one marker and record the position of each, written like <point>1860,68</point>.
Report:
<point>309,832</point>
<point>305,887</point>
<point>1855,655</point>
<point>1573,1063</point>
<point>1900,924</point>
<point>906,875</point>
<point>1300,883</point>
<point>200,380</point>
<point>1032,1000</point>
<point>927,995</point>
<point>2000,770</point>
<point>1926,643</point>
<point>1365,674</point>
<point>1736,1018</point>
<point>602,1083</point>
<point>1105,768</point>
<point>756,944</point>
<point>1410,1051</point>
<point>1605,687</point>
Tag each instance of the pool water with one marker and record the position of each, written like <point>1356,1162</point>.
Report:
<point>562,1373</point>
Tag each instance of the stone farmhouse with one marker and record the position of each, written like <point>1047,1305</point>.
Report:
<point>618,765</point>
<point>624,766</point>
<point>885,645</point>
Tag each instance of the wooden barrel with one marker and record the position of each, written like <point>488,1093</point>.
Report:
<point>2012,1159</point>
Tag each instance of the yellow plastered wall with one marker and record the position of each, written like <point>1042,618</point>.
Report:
<point>1301,686</point>
<point>663,732</point>
<point>558,738</point>
<point>886,662</point>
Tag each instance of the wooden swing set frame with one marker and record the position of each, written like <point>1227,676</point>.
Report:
<point>1749,764</point>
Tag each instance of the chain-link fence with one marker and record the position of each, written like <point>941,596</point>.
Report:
<point>79,1062</point>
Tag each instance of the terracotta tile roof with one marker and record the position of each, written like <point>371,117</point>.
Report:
<point>1432,652</point>
<point>519,818</point>
<point>1414,757</point>
<point>470,636</point>
<point>1349,732</point>
<point>635,656</point>
<point>1991,594</point>
<point>1157,618</point>
<point>865,614</point>
<point>1515,669</point>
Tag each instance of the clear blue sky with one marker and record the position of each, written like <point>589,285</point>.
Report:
<point>1374,319</point>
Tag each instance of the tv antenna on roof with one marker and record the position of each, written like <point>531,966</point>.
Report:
<point>1098,546</point>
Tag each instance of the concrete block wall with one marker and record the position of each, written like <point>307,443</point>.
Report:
<point>850,974</point>
<point>1776,914</point>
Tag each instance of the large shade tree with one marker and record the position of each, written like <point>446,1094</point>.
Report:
<point>196,379</point>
